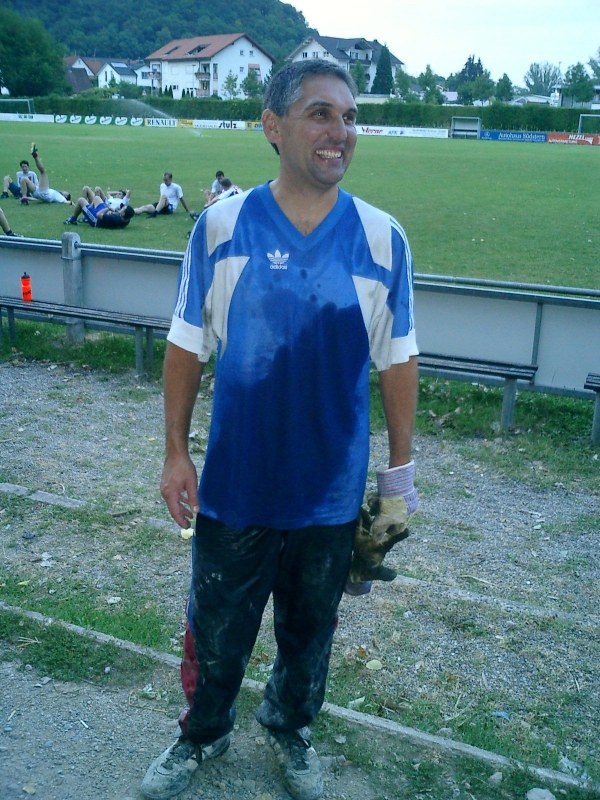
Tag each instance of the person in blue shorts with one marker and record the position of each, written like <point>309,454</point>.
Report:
<point>99,215</point>
<point>14,187</point>
<point>297,286</point>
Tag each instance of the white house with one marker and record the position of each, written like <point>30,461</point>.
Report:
<point>345,52</point>
<point>116,71</point>
<point>203,63</point>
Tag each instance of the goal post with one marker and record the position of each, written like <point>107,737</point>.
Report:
<point>589,123</point>
<point>17,105</point>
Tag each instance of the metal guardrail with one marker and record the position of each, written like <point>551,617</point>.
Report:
<point>555,328</point>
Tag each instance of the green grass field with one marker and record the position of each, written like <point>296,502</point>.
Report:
<point>506,211</point>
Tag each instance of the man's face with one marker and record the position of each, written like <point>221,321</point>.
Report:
<point>168,180</point>
<point>24,168</point>
<point>316,138</point>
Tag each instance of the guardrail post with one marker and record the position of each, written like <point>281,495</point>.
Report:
<point>508,403</point>
<point>596,420</point>
<point>73,283</point>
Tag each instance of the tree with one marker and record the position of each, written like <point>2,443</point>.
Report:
<point>483,86</point>
<point>403,83</point>
<point>471,70</point>
<point>578,84</point>
<point>466,94</point>
<point>383,83</point>
<point>358,74</point>
<point>594,65</point>
<point>251,86</point>
<point>505,90</point>
<point>30,59</point>
<point>230,86</point>
<point>541,78</point>
<point>428,82</point>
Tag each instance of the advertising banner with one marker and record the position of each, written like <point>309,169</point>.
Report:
<point>254,126</point>
<point>384,130</point>
<point>26,117</point>
<point>105,120</point>
<point>514,136</point>
<point>75,119</point>
<point>137,121</point>
<point>574,138</point>
<point>185,123</point>
<point>91,119</point>
<point>121,120</point>
<point>160,122</point>
<point>226,124</point>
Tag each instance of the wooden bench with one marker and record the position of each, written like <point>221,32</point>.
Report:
<point>59,312</point>
<point>592,382</point>
<point>454,368</point>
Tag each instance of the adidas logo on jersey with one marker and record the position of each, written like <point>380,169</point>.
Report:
<point>277,260</point>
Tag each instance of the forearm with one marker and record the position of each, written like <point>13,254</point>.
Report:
<point>399,387</point>
<point>185,205</point>
<point>182,373</point>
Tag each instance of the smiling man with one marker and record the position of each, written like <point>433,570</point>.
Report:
<point>297,285</point>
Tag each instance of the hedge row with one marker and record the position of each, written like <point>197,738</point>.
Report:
<point>495,117</point>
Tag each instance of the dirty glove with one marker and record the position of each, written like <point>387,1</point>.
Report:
<point>381,527</point>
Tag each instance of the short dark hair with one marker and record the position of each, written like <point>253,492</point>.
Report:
<point>68,196</point>
<point>285,87</point>
<point>168,175</point>
<point>128,212</point>
<point>226,183</point>
<point>23,162</point>
<point>219,174</point>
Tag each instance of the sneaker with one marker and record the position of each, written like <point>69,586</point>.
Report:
<point>16,235</point>
<point>34,150</point>
<point>70,221</point>
<point>170,773</point>
<point>24,201</point>
<point>4,196</point>
<point>151,215</point>
<point>299,763</point>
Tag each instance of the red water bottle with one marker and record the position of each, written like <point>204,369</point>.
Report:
<point>26,287</point>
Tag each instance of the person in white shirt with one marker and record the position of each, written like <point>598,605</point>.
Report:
<point>115,199</point>
<point>228,189</point>
<point>14,187</point>
<point>41,193</point>
<point>171,194</point>
<point>216,187</point>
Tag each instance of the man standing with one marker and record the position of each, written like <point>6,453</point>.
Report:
<point>41,193</point>
<point>170,196</point>
<point>297,285</point>
<point>15,187</point>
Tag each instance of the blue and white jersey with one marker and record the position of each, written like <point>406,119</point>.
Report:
<point>295,320</point>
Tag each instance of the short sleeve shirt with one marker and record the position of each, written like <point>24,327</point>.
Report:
<point>294,321</point>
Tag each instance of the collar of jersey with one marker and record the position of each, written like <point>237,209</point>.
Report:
<point>292,234</point>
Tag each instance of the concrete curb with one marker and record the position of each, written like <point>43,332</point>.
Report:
<point>345,714</point>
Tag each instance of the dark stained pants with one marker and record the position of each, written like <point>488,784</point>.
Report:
<point>233,574</point>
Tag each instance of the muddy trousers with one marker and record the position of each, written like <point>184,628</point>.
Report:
<point>233,574</point>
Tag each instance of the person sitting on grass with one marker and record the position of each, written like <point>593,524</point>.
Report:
<point>170,195</point>
<point>216,187</point>
<point>99,215</point>
<point>115,199</point>
<point>14,187</point>
<point>41,193</point>
<point>228,189</point>
<point>6,227</point>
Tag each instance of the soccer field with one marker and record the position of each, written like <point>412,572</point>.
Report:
<point>507,211</point>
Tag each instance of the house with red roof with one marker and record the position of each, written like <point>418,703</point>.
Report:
<point>202,64</point>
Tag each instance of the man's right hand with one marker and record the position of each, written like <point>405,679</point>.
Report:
<point>179,488</point>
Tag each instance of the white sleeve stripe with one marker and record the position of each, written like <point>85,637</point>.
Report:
<point>183,286</point>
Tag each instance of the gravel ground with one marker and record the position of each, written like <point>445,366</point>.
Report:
<point>497,595</point>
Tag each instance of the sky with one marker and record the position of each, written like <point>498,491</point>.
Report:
<point>508,35</point>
